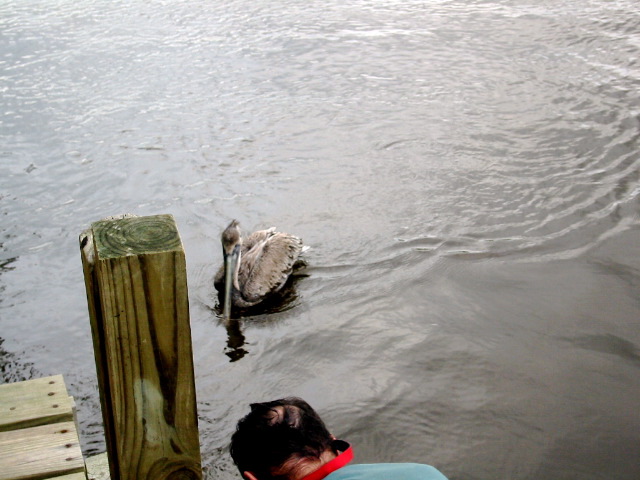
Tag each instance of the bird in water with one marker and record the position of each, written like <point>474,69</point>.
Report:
<point>254,267</point>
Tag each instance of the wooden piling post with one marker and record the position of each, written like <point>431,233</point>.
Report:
<point>136,282</point>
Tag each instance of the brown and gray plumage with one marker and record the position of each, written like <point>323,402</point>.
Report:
<point>254,267</point>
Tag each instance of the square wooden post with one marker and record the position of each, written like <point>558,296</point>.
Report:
<point>135,275</point>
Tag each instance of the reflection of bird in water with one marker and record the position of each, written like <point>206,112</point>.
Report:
<point>254,267</point>
<point>235,342</point>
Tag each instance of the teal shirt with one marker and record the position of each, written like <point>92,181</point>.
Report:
<point>386,471</point>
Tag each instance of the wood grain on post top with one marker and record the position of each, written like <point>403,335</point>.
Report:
<point>135,236</point>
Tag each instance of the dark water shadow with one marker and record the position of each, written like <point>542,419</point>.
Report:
<point>12,369</point>
<point>235,341</point>
<point>5,264</point>
<point>262,314</point>
<point>609,344</point>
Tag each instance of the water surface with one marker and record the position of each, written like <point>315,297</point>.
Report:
<point>467,174</point>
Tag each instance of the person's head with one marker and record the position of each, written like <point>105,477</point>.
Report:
<point>277,435</point>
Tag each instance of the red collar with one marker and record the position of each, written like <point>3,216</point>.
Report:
<point>334,464</point>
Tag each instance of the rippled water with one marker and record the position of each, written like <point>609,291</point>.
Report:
<point>467,174</point>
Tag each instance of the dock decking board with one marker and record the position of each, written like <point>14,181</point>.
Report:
<point>34,402</point>
<point>40,452</point>
<point>38,434</point>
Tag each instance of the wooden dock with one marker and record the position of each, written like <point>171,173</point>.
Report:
<point>136,283</point>
<point>38,432</point>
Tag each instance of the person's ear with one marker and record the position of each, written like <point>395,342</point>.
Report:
<point>333,437</point>
<point>249,476</point>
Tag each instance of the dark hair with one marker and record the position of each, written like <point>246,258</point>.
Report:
<point>276,432</point>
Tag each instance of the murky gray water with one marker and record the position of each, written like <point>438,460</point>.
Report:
<point>466,172</point>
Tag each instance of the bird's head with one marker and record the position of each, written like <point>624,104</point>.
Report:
<point>231,238</point>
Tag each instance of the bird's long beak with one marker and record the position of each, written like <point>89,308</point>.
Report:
<point>231,261</point>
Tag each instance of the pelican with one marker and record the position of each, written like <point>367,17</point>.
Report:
<point>254,267</point>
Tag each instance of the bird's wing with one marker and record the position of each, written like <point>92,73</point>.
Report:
<point>268,264</point>
<point>256,238</point>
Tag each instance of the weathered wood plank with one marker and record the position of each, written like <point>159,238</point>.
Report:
<point>73,476</point>
<point>40,452</point>
<point>34,402</point>
<point>87,251</point>
<point>138,286</point>
<point>97,467</point>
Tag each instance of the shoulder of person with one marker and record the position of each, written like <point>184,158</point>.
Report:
<point>387,471</point>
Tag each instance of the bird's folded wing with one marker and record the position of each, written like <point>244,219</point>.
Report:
<point>268,264</point>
